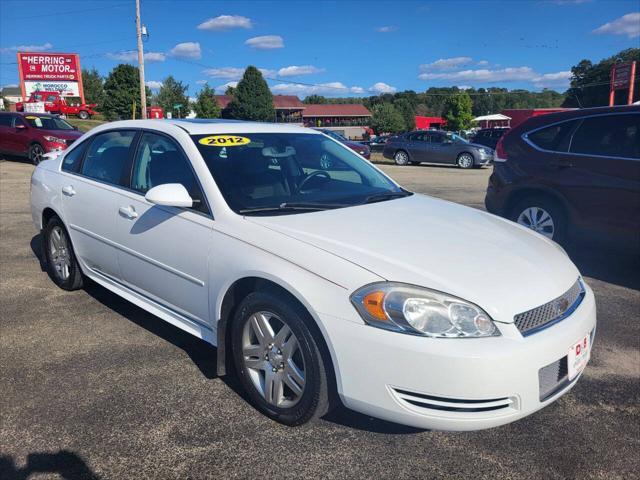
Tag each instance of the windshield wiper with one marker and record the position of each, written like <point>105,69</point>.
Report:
<point>381,197</point>
<point>293,207</point>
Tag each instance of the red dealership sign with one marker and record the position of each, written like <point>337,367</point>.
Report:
<point>50,71</point>
<point>623,76</point>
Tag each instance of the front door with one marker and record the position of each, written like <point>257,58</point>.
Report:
<point>164,250</point>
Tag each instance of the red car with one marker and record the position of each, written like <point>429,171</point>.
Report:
<point>34,134</point>
<point>361,148</point>
<point>55,103</point>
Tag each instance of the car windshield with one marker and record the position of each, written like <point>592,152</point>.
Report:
<point>456,138</point>
<point>48,123</point>
<point>282,173</point>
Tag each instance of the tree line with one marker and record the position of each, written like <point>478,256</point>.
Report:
<point>118,96</point>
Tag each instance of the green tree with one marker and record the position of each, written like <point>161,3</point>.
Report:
<point>457,112</point>
<point>171,93</point>
<point>252,99</point>
<point>230,91</point>
<point>93,86</point>
<point>206,105</point>
<point>121,90</point>
<point>404,107</point>
<point>590,82</point>
<point>386,119</point>
<point>314,100</point>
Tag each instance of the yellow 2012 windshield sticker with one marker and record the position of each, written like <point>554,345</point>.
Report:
<point>224,141</point>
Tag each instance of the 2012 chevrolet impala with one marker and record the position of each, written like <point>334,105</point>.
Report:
<point>317,277</point>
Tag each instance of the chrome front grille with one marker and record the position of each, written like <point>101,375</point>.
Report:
<point>557,309</point>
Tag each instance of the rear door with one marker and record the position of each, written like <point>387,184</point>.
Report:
<point>93,175</point>
<point>164,250</point>
<point>7,141</point>
<point>605,159</point>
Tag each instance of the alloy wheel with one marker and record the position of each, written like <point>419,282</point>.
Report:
<point>59,253</point>
<point>36,154</point>
<point>537,219</point>
<point>401,158</point>
<point>273,359</point>
<point>465,160</point>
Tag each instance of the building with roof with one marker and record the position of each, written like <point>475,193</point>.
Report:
<point>288,107</point>
<point>350,119</point>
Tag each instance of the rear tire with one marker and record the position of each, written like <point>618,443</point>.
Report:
<point>82,115</point>
<point>268,363</point>
<point>61,262</point>
<point>401,158</point>
<point>542,214</point>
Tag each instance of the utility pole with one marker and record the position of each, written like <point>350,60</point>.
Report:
<point>143,93</point>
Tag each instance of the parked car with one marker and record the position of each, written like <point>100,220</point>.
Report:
<point>377,143</point>
<point>436,146</point>
<point>33,134</point>
<point>217,228</point>
<point>56,103</point>
<point>361,148</point>
<point>572,175</point>
<point>489,136</point>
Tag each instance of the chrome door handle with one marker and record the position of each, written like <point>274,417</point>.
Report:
<point>128,212</point>
<point>68,191</point>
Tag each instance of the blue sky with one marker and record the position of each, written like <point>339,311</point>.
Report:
<point>346,48</point>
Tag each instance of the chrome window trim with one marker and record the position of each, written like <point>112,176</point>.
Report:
<point>525,136</point>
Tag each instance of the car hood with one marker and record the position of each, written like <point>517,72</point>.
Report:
<point>65,134</point>
<point>496,264</point>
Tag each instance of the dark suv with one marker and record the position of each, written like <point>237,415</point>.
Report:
<point>489,136</point>
<point>572,175</point>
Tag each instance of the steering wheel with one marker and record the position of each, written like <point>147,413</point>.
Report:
<point>317,173</point>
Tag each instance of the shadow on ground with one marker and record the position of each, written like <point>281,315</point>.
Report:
<point>64,463</point>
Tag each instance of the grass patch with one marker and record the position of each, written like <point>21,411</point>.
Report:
<point>84,125</point>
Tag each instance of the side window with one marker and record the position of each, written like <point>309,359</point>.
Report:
<point>107,155</point>
<point>71,161</point>
<point>555,137</point>
<point>436,138</point>
<point>51,98</point>
<point>18,121</point>
<point>5,120</point>
<point>159,161</point>
<point>609,136</point>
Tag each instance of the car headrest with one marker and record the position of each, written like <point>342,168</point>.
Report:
<point>271,152</point>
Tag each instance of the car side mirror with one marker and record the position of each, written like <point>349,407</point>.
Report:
<point>170,195</point>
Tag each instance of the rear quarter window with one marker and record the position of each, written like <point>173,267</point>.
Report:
<point>554,137</point>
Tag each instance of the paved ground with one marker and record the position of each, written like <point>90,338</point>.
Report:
<point>92,386</point>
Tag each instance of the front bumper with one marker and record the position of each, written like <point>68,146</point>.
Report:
<point>466,384</point>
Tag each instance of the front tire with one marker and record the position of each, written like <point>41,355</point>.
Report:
<point>401,158</point>
<point>278,360</point>
<point>465,160</point>
<point>62,265</point>
<point>36,152</point>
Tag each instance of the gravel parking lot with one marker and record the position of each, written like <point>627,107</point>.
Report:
<point>94,387</point>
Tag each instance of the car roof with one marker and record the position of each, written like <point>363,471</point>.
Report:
<point>204,126</point>
<point>549,118</point>
<point>24,114</point>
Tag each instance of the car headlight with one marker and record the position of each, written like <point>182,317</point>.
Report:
<point>49,138</point>
<point>420,311</point>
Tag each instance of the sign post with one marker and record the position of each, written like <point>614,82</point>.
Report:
<point>50,72</point>
<point>623,76</point>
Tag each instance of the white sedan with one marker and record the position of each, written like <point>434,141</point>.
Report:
<point>315,275</point>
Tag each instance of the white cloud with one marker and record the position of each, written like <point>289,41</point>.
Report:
<point>27,48</point>
<point>357,90</point>
<point>201,82</point>
<point>482,63</point>
<point>329,89</point>
<point>265,42</point>
<point>381,87</point>
<point>464,87</point>
<point>446,64</point>
<point>153,84</point>
<point>386,29</point>
<point>299,70</point>
<point>189,50</point>
<point>569,2</point>
<point>628,25</point>
<point>234,73</point>
<point>220,89</point>
<point>225,22</point>
<point>550,80</point>
<point>131,56</point>
<point>510,74</point>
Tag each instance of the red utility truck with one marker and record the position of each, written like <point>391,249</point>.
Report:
<point>55,103</point>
